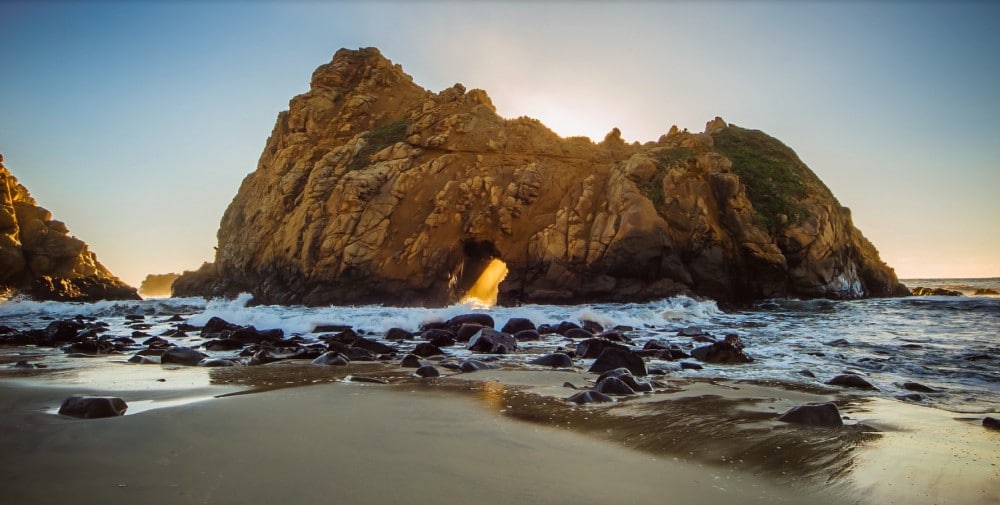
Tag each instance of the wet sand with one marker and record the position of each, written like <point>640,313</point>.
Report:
<point>291,433</point>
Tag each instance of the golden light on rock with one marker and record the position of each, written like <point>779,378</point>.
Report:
<point>484,291</point>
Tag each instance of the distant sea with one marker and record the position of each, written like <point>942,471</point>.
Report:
<point>951,344</point>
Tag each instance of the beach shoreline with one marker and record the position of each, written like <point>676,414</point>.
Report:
<point>718,439</point>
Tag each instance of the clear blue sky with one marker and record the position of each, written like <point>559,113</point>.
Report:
<point>135,124</point>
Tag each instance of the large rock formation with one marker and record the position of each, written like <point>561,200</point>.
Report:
<point>372,189</point>
<point>39,258</point>
<point>157,284</point>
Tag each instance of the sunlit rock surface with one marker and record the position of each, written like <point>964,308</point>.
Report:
<point>39,258</point>
<point>372,189</point>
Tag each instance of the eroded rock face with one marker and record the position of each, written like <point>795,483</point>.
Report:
<point>372,189</point>
<point>39,258</point>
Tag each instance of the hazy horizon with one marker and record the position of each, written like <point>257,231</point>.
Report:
<point>135,124</point>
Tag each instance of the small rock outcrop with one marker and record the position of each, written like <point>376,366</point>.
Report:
<point>39,258</point>
<point>372,189</point>
<point>157,284</point>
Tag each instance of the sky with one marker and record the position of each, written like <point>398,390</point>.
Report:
<point>136,123</point>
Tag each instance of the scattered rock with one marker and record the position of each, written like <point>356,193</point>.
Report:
<point>398,334</point>
<point>584,397</point>
<point>593,347</point>
<point>476,318</point>
<point>991,423</point>
<point>224,344</point>
<point>92,407</point>
<point>217,362</point>
<point>555,360</point>
<point>527,335</point>
<point>826,415</point>
<point>181,356</point>
<point>516,324</point>
<point>612,358</point>
<point>922,291</point>
<point>577,334</point>
<point>851,381</point>
<point>729,351</point>
<point>685,365</point>
<point>474,365</point>
<point>331,358</point>
<point>807,373</point>
<point>918,387</point>
<point>428,371</point>
<point>427,349</point>
<point>492,342</point>
<point>614,386</point>
<point>411,361</point>
<point>140,359</point>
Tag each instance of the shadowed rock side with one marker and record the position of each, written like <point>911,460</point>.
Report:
<point>372,189</point>
<point>39,258</point>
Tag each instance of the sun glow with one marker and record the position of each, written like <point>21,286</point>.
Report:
<point>484,291</point>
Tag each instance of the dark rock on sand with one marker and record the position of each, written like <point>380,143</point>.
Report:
<point>593,347</point>
<point>217,362</point>
<point>624,375</point>
<point>331,358</point>
<point>991,423</point>
<point>411,361</point>
<point>584,397</point>
<point>440,338</point>
<point>825,415</point>
<point>63,331</point>
<point>555,360</point>
<point>251,335</point>
<point>563,327</point>
<point>398,334</point>
<point>91,407</point>
<point>913,397</point>
<point>427,349</point>
<point>592,326</point>
<point>614,386</point>
<point>918,387</point>
<point>578,334</point>
<point>475,318</point>
<point>428,371</point>
<point>224,344</point>
<point>474,365</point>
<point>492,342</point>
<point>612,358</point>
<point>527,335</point>
<point>685,365</point>
<point>729,351</point>
<point>140,359</point>
<point>215,326</point>
<point>516,324</point>
<point>181,356</point>
<point>851,381</point>
<point>369,380</point>
<point>466,331</point>
<point>373,346</point>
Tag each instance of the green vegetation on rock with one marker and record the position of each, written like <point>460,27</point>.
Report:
<point>775,178</point>
<point>665,159</point>
<point>379,138</point>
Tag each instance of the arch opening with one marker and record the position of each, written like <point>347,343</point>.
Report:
<point>482,272</point>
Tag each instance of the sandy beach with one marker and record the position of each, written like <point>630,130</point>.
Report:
<point>291,433</point>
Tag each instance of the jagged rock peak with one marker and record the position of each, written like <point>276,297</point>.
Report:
<point>372,189</point>
<point>40,259</point>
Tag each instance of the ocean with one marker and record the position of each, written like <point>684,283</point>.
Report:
<point>950,344</point>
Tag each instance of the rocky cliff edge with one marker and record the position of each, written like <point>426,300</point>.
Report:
<point>372,189</point>
<point>39,258</point>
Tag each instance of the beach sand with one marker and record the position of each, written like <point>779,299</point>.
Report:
<point>286,433</point>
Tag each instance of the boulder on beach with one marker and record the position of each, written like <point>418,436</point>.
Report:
<point>372,189</point>
<point>825,414</point>
<point>584,397</point>
<point>729,351</point>
<point>92,407</point>
<point>851,381</point>
<point>613,357</point>
<point>181,356</point>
